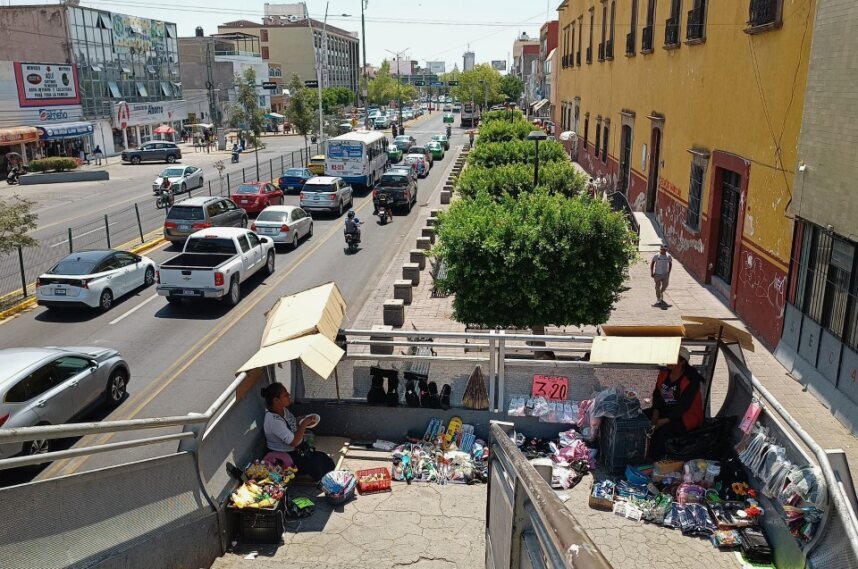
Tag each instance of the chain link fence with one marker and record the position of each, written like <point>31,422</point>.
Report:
<point>124,228</point>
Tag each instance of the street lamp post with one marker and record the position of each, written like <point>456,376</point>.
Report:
<point>323,59</point>
<point>365,86</point>
<point>536,136</point>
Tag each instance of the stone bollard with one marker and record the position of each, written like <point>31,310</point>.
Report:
<point>445,197</point>
<point>434,212</point>
<point>424,243</point>
<point>411,272</point>
<point>381,350</point>
<point>394,312</point>
<point>430,233</point>
<point>402,290</point>
<point>431,221</point>
<point>448,186</point>
<point>419,257</point>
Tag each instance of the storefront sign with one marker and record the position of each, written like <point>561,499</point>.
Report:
<point>551,387</point>
<point>48,115</point>
<point>133,114</point>
<point>138,33</point>
<point>66,130</point>
<point>18,135</point>
<point>46,84</point>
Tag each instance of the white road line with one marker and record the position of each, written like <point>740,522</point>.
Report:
<point>82,234</point>
<point>133,310</point>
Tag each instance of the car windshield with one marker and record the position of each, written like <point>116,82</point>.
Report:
<point>295,172</point>
<point>172,172</point>
<point>186,212</point>
<point>410,159</point>
<point>73,267</point>
<point>394,180</point>
<point>418,150</point>
<point>275,216</point>
<point>247,189</point>
<point>319,188</point>
<point>209,245</point>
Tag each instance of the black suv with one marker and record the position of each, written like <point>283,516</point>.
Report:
<point>158,151</point>
<point>400,187</point>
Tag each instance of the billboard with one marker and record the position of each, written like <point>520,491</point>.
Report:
<point>132,114</point>
<point>46,84</point>
<point>499,64</point>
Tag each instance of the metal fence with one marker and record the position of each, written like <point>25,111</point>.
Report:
<point>122,228</point>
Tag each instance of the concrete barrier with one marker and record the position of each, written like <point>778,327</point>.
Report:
<point>419,257</point>
<point>425,243</point>
<point>402,289</point>
<point>434,212</point>
<point>431,221</point>
<point>446,195</point>
<point>394,312</point>
<point>411,272</point>
<point>381,350</point>
<point>62,177</point>
<point>429,232</point>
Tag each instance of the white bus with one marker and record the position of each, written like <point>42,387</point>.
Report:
<point>357,157</point>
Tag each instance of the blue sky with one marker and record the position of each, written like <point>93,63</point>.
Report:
<point>439,29</point>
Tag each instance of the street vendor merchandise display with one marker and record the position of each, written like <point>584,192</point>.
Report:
<point>257,504</point>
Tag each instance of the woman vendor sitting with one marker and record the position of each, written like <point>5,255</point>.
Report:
<point>284,435</point>
<point>677,403</point>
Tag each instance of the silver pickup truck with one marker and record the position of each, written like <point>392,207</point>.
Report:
<point>214,263</point>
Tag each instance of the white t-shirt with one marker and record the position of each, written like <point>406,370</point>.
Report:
<point>280,431</point>
<point>662,264</point>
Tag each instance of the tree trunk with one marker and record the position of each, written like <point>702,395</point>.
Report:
<point>539,330</point>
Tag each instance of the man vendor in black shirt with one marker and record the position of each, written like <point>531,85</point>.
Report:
<point>677,403</point>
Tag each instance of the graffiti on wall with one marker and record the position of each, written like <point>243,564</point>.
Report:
<point>762,284</point>
<point>672,221</point>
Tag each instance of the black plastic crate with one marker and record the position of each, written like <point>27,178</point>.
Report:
<point>623,442</point>
<point>259,526</point>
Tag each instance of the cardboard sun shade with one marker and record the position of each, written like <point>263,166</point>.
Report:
<point>635,350</point>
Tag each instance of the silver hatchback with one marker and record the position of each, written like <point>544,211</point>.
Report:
<point>51,386</point>
<point>194,214</point>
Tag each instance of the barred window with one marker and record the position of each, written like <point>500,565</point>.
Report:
<point>695,193</point>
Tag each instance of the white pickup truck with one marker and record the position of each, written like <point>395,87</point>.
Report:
<point>214,263</point>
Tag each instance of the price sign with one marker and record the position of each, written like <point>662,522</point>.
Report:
<point>551,387</point>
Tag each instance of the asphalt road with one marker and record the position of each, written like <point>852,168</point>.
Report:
<point>181,357</point>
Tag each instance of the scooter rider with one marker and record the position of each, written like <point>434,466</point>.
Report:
<point>449,131</point>
<point>235,151</point>
<point>165,194</point>
<point>382,203</point>
<point>352,225</point>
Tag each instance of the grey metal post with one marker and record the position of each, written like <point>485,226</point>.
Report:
<point>71,243</point>
<point>227,183</point>
<point>281,164</point>
<point>243,177</point>
<point>107,230</point>
<point>501,369</point>
<point>271,167</point>
<point>492,362</point>
<point>139,224</point>
<point>23,274</point>
<point>210,187</point>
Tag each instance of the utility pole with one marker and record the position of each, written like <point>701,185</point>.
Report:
<point>214,115</point>
<point>364,87</point>
<point>319,63</point>
<point>398,56</point>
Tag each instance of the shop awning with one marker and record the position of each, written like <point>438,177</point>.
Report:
<point>635,350</point>
<point>303,327</point>
<point>65,130</point>
<point>18,135</point>
<point>539,104</point>
<point>274,116</point>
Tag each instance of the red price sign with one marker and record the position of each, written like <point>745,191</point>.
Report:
<point>551,387</point>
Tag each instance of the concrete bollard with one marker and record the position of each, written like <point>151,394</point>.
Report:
<point>419,257</point>
<point>402,290</point>
<point>429,232</point>
<point>431,221</point>
<point>424,243</point>
<point>411,272</point>
<point>394,312</point>
<point>381,350</point>
<point>445,197</point>
<point>434,212</point>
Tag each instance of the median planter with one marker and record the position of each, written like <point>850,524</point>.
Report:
<point>62,177</point>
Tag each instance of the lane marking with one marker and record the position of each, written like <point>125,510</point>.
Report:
<point>195,352</point>
<point>133,310</point>
<point>83,234</point>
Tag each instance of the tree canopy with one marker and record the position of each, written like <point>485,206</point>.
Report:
<point>245,114</point>
<point>16,220</point>
<point>491,154</point>
<point>480,85</point>
<point>511,87</point>
<point>299,113</point>
<point>515,179</point>
<point>384,87</point>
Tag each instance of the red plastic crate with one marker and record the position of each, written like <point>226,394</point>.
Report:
<point>373,487</point>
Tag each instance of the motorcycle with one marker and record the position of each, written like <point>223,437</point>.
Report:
<point>449,131</point>
<point>164,197</point>
<point>352,240</point>
<point>384,209</point>
<point>15,173</point>
<point>235,157</point>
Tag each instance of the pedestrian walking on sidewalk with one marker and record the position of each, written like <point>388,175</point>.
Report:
<point>659,269</point>
<point>98,154</point>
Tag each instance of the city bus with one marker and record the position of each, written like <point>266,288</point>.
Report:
<point>357,157</point>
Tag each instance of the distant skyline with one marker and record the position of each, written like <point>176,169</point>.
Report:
<point>429,30</point>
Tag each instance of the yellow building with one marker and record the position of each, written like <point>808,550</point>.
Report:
<point>693,110</point>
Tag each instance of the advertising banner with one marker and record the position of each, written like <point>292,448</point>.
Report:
<point>345,157</point>
<point>132,114</point>
<point>46,84</point>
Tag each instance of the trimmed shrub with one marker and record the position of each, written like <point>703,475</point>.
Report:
<point>502,131</point>
<point>508,115</point>
<point>492,154</point>
<point>55,164</point>
<point>513,179</point>
<point>534,260</point>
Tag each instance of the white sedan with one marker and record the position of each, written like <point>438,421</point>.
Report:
<point>182,179</point>
<point>94,279</point>
<point>285,224</point>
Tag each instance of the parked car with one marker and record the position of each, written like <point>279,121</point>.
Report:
<point>400,188</point>
<point>317,164</point>
<point>181,179</point>
<point>422,165</point>
<point>253,197</point>
<point>394,154</point>
<point>285,224</point>
<point>442,138</point>
<point>214,263</point>
<point>93,279</point>
<point>52,386</point>
<point>326,193</point>
<point>381,123</point>
<point>294,178</point>
<point>194,214</point>
<point>404,142</point>
<point>424,151</point>
<point>436,150</point>
<point>159,151</point>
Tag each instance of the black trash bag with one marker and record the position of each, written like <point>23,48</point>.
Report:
<point>709,442</point>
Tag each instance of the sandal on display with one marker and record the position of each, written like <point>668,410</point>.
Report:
<point>423,390</point>
<point>392,398</point>
<point>433,399</point>
<point>445,396</point>
<point>376,395</point>
<point>412,399</point>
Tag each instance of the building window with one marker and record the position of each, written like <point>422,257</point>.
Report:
<point>166,90</point>
<point>141,89</point>
<point>695,192</point>
<point>609,47</point>
<point>764,15</point>
<point>605,142</point>
<point>672,26</point>
<point>114,90</point>
<point>263,35</point>
<point>580,39</point>
<point>647,34</point>
<point>598,145</point>
<point>695,32</point>
<point>631,37</point>
<point>586,129</point>
<point>264,52</point>
<point>604,32</point>
<point>572,46</point>
<point>590,46</point>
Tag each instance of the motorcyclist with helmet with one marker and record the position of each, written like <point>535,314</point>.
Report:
<point>352,225</point>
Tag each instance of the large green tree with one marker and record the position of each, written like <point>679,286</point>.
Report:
<point>245,114</point>
<point>491,154</point>
<point>534,260</point>
<point>514,179</point>
<point>16,220</point>
<point>299,113</point>
<point>511,87</point>
<point>480,85</point>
